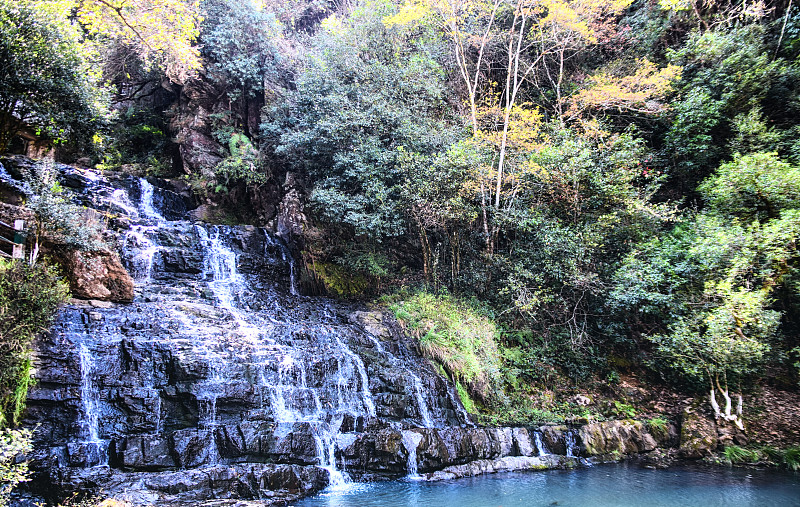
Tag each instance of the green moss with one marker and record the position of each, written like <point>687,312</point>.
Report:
<point>458,336</point>
<point>338,280</point>
<point>463,395</point>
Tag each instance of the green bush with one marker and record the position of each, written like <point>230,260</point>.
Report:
<point>29,298</point>
<point>791,458</point>
<point>242,165</point>
<point>739,455</point>
<point>58,221</point>
<point>624,410</point>
<point>12,444</point>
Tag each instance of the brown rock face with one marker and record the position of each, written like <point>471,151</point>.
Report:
<point>621,437</point>
<point>291,213</point>
<point>98,275</point>
<point>698,434</point>
<point>192,125</point>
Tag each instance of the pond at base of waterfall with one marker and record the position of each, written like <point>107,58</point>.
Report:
<point>617,485</point>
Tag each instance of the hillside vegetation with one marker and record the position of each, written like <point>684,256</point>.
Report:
<point>549,194</point>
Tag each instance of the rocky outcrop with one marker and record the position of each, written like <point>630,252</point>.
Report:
<point>698,433</point>
<point>505,464</point>
<point>97,275</point>
<point>192,125</point>
<point>616,438</point>
<point>291,215</point>
<point>228,485</point>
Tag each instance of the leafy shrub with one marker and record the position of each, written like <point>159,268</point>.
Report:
<point>12,444</point>
<point>57,220</point>
<point>29,297</point>
<point>624,410</point>
<point>242,165</point>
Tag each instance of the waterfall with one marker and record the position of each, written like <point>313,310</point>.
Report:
<point>362,372</point>
<point>96,450</point>
<point>89,396</point>
<point>146,202</point>
<point>411,440</point>
<point>423,407</point>
<point>543,451</point>
<point>569,443</point>
<point>120,198</point>
<point>138,242</point>
<point>287,257</point>
<point>226,282</point>
<point>326,439</point>
<point>220,359</point>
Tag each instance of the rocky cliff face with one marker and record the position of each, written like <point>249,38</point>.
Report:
<point>220,382</point>
<point>218,364</point>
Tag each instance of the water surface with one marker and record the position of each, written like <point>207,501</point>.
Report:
<point>618,485</point>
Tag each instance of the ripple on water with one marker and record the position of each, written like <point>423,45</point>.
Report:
<point>601,486</point>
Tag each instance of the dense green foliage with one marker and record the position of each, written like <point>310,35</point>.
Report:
<point>366,99</point>
<point>29,297</point>
<point>708,287</point>
<point>45,83</point>
<point>12,443</point>
<point>617,183</point>
<point>57,220</point>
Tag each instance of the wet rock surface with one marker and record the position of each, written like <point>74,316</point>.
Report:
<point>268,484</point>
<point>217,363</point>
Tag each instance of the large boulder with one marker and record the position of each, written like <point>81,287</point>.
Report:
<point>616,438</point>
<point>698,434</point>
<point>98,275</point>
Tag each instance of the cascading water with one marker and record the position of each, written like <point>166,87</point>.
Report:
<point>140,241</point>
<point>220,361</point>
<point>89,396</point>
<point>146,205</point>
<point>94,448</point>
<point>542,449</point>
<point>424,410</point>
<point>423,406</point>
<point>569,443</point>
<point>411,440</point>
